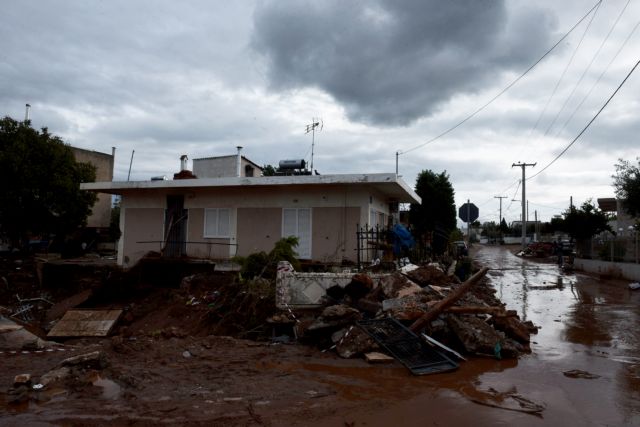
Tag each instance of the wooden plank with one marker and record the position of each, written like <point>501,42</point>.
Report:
<point>85,323</point>
<point>454,296</point>
<point>377,357</point>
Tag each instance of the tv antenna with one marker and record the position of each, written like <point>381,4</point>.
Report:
<point>312,128</point>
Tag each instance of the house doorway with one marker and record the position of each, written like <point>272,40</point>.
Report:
<point>175,227</point>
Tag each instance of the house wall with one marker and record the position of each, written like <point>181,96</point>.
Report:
<point>201,247</point>
<point>101,210</point>
<point>255,219</point>
<point>258,229</point>
<point>334,233</point>
<point>140,225</point>
<point>220,167</point>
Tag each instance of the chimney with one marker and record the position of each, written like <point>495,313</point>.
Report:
<point>113,151</point>
<point>239,162</point>
<point>26,113</point>
<point>184,172</point>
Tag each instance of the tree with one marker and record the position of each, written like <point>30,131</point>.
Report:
<point>583,223</point>
<point>269,170</point>
<point>437,212</point>
<point>39,184</point>
<point>626,182</point>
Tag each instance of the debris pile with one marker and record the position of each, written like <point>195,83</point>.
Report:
<point>467,317</point>
<point>74,373</point>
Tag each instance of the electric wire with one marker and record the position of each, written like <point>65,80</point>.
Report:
<point>509,86</point>
<point>514,195</point>
<point>564,72</point>
<point>622,46</point>
<point>584,73</point>
<point>588,124</point>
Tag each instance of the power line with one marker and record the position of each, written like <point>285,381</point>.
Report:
<point>588,124</point>
<point>584,73</point>
<point>624,43</point>
<point>564,72</point>
<point>509,86</point>
<point>514,195</point>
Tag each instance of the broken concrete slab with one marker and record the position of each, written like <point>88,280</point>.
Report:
<point>428,275</point>
<point>335,316</point>
<point>55,375</point>
<point>85,323</point>
<point>354,343</point>
<point>307,290</point>
<point>478,337</point>
<point>396,285</point>
<point>360,285</point>
<point>512,327</point>
<point>410,307</point>
<point>94,360</point>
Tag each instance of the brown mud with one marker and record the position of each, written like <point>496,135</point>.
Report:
<point>186,376</point>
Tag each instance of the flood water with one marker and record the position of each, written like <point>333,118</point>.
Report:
<point>587,325</point>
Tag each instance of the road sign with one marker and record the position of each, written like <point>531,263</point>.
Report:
<point>468,212</point>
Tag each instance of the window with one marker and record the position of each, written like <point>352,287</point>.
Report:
<point>216,222</point>
<point>297,222</point>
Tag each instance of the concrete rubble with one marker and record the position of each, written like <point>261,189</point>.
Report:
<point>461,317</point>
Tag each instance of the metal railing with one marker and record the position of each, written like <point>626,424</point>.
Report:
<point>371,244</point>
<point>162,244</point>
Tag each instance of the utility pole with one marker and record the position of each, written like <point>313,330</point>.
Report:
<point>397,154</point>
<point>524,200</point>
<point>500,197</point>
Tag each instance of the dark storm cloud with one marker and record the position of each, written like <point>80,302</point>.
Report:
<point>115,53</point>
<point>389,62</point>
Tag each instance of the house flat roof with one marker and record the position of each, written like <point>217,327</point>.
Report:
<point>388,183</point>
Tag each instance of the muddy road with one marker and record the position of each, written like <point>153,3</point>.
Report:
<point>584,369</point>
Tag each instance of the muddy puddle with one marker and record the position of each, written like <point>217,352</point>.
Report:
<point>584,368</point>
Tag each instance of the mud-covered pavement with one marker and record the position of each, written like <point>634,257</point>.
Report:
<point>588,329</point>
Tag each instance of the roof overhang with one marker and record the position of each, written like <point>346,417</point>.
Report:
<point>387,183</point>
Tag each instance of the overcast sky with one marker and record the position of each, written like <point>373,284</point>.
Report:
<point>166,78</point>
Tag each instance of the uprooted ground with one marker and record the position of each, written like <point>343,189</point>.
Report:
<point>170,359</point>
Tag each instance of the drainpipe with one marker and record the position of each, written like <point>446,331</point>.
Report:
<point>239,162</point>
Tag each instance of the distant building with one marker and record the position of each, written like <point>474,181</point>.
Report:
<point>615,206</point>
<point>235,165</point>
<point>101,211</point>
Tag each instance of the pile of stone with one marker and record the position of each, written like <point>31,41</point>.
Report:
<point>467,317</point>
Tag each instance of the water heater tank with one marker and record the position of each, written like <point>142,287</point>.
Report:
<point>292,164</point>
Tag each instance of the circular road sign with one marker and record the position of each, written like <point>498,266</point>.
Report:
<point>468,212</point>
